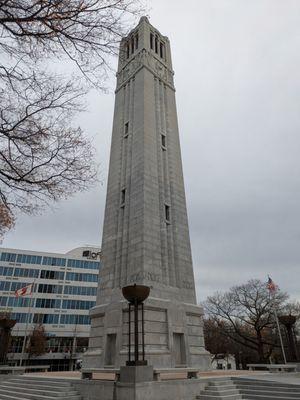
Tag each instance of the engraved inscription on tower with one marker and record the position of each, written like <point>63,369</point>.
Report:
<point>145,233</point>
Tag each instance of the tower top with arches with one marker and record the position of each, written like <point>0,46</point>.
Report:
<point>145,37</point>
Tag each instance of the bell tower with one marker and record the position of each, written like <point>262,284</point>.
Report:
<point>145,233</point>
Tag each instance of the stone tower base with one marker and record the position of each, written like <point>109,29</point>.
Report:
<point>173,335</point>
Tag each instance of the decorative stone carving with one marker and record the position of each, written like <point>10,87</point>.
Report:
<point>145,59</point>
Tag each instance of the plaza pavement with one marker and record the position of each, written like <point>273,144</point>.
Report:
<point>165,376</point>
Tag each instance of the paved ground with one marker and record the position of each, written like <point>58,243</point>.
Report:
<point>288,377</point>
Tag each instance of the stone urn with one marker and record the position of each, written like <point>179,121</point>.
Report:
<point>289,321</point>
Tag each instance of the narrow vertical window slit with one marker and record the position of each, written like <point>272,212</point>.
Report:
<point>132,45</point>
<point>151,41</point>
<point>123,197</point>
<point>126,129</point>
<point>163,142</point>
<point>161,50</point>
<point>167,213</point>
<point>136,41</point>
<point>156,44</point>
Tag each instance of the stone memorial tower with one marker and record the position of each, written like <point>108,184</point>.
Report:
<point>145,234</point>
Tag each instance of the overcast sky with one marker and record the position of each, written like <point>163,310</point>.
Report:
<point>237,75</point>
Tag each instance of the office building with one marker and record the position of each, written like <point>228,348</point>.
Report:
<point>63,290</point>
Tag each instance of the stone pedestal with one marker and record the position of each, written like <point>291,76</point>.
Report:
<point>173,335</point>
<point>134,374</point>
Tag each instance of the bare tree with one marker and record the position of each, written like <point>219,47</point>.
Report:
<point>215,341</point>
<point>43,156</point>
<point>83,31</point>
<point>248,313</point>
<point>37,341</point>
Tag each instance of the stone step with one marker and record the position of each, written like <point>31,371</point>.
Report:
<point>11,397</point>
<point>267,390</point>
<point>221,382</point>
<point>227,384</point>
<point>264,383</point>
<point>246,386</point>
<point>248,389</point>
<point>26,385</point>
<point>264,397</point>
<point>40,390</point>
<point>219,397</point>
<point>29,396</point>
<point>212,392</point>
<point>221,387</point>
<point>267,393</point>
<point>41,381</point>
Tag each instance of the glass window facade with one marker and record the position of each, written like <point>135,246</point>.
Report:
<point>44,288</point>
<point>75,276</point>
<point>3,301</point>
<point>18,285</point>
<point>17,301</point>
<point>21,258</point>
<point>47,303</point>
<point>4,285</point>
<point>78,304</point>
<point>45,318</point>
<point>52,280</point>
<point>83,264</point>
<point>8,257</point>
<point>80,290</point>
<point>58,262</point>
<point>28,259</point>
<point>21,317</point>
<point>52,274</point>
<point>74,319</point>
<point>26,273</point>
<point>6,271</point>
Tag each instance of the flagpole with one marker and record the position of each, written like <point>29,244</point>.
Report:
<point>272,290</point>
<point>279,333</point>
<point>26,326</point>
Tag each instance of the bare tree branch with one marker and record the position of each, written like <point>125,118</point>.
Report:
<point>43,156</point>
<point>246,315</point>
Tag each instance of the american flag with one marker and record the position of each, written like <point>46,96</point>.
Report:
<point>271,285</point>
<point>24,291</point>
